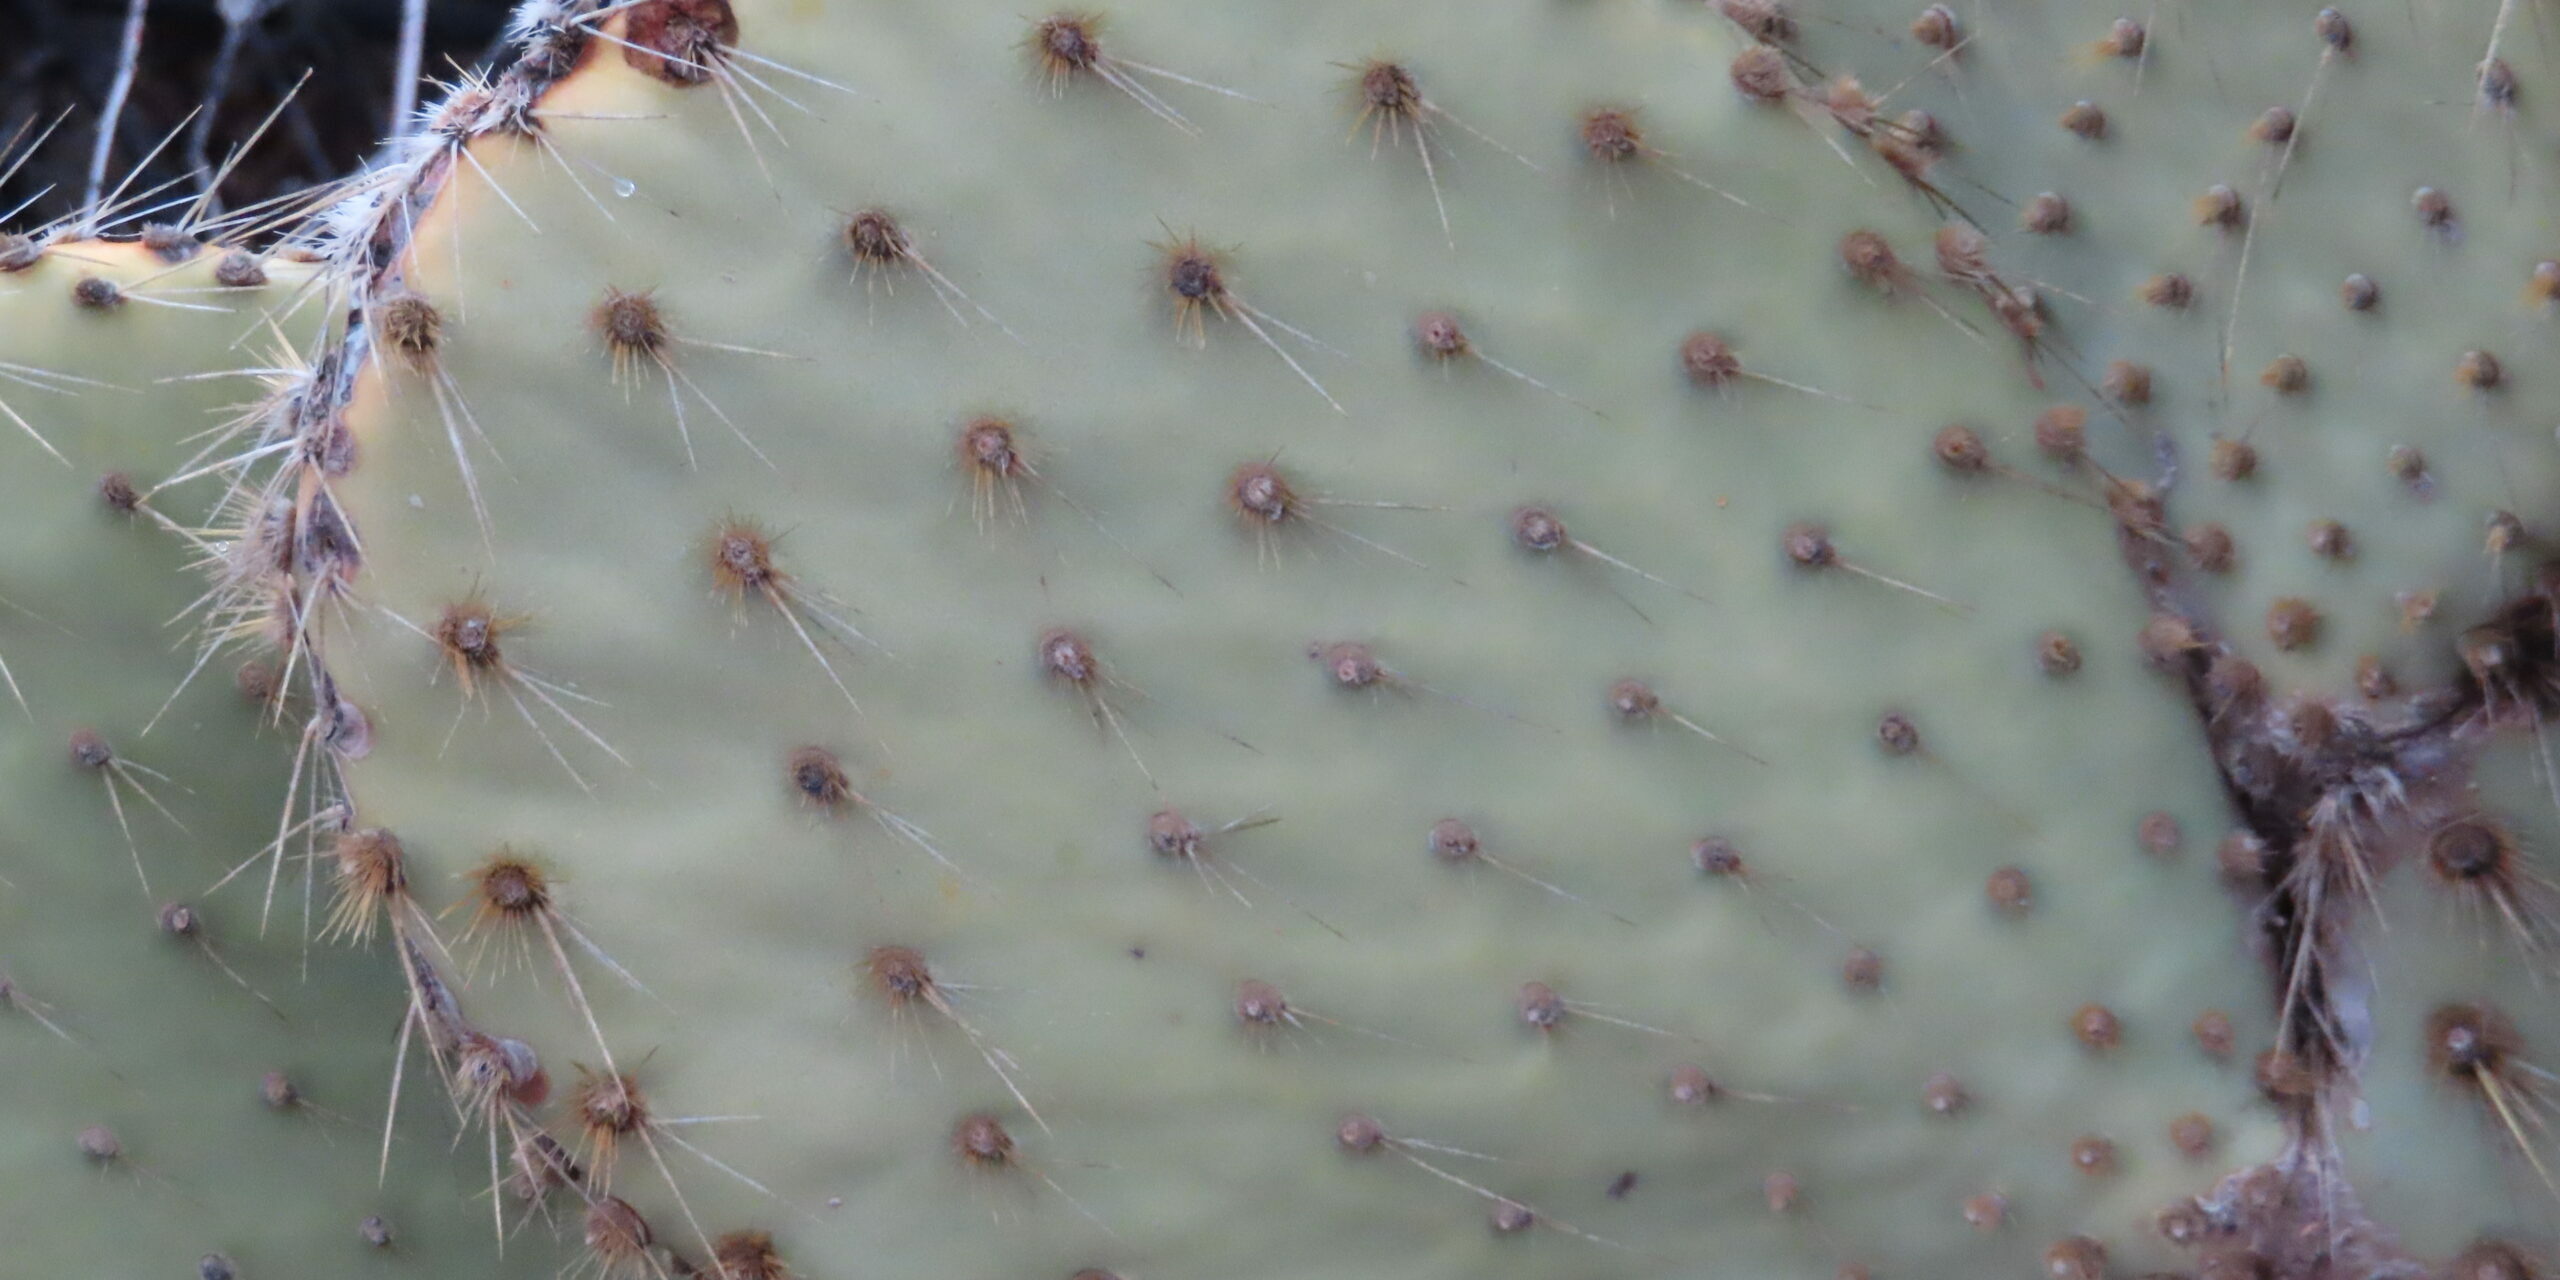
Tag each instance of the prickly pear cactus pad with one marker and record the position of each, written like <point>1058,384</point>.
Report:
<point>177,1083</point>
<point>1445,641</point>
<point>2362,471</point>
<point>2367,437</point>
<point>2470,929</point>
<point>1056,638</point>
<point>2350,387</point>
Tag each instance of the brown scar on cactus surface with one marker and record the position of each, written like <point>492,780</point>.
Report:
<point>2326,803</point>
<point>689,43</point>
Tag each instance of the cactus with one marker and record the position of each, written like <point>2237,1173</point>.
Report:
<point>186,1078</point>
<point>1005,692</point>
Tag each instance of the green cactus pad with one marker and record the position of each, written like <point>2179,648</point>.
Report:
<point>1107,972</point>
<point>120,1034</point>
<point>783,550</point>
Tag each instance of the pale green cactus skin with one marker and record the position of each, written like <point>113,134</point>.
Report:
<point>110,1020</point>
<point>1175,1141</point>
<point>1219,1155</point>
<point>2378,378</point>
<point>2424,1157</point>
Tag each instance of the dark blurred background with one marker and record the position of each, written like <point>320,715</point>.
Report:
<point>62,54</point>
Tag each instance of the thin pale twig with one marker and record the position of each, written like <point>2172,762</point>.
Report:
<point>128,61</point>
<point>412,55</point>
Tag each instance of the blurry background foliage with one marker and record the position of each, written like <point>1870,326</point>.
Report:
<point>227,62</point>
